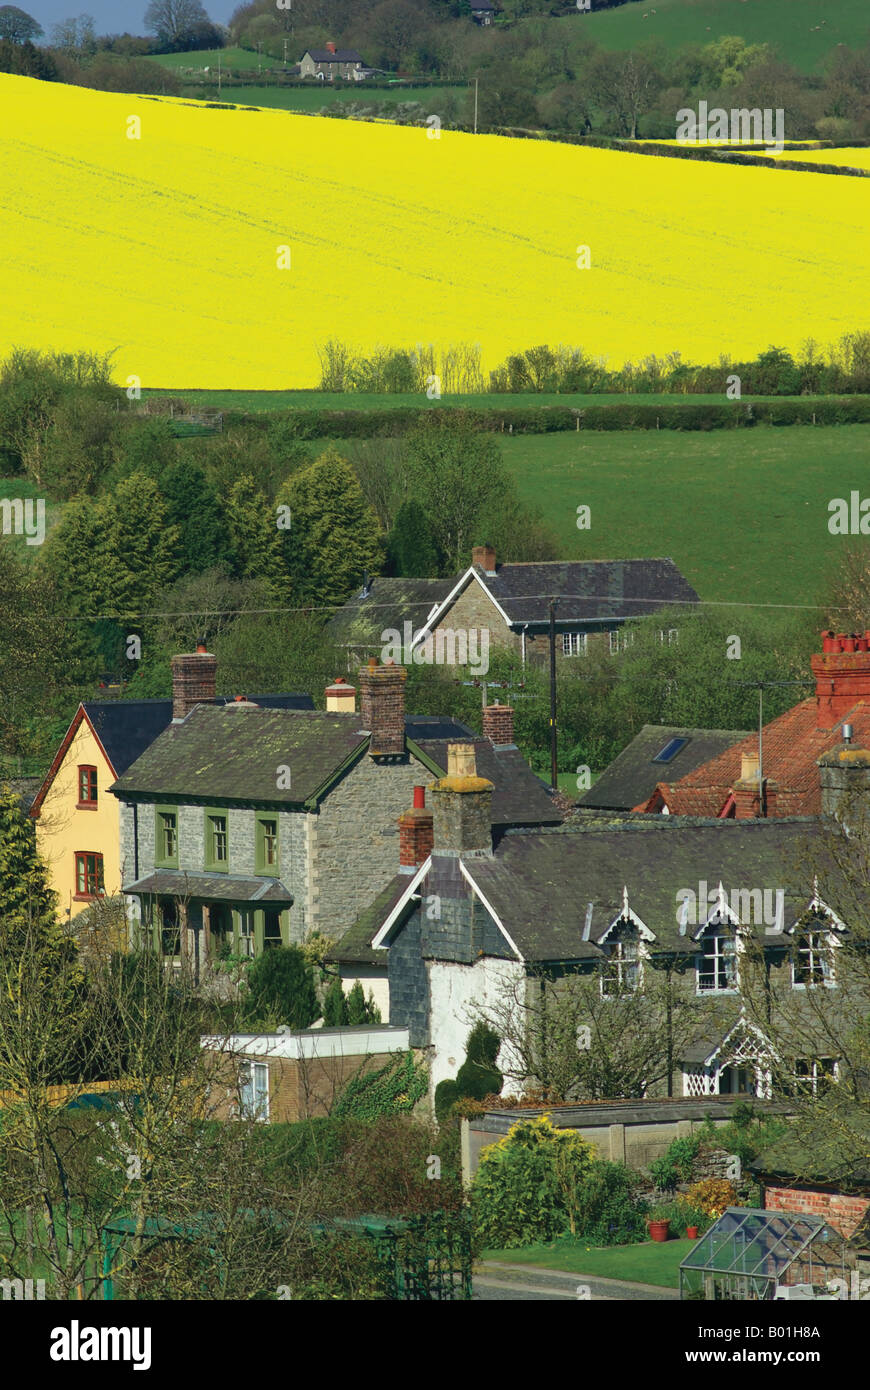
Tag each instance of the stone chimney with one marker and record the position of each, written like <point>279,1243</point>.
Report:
<point>340,697</point>
<point>844,775</point>
<point>194,681</point>
<point>747,792</point>
<point>382,706</point>
<point>484,557</point>
<point>498,725</point>
<point>462,806</point>
<point>842,672</point>
<point>415,834</point>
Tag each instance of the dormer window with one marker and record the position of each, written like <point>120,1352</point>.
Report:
<point>87,787</point>
<point>812,963</point>
<point>620,972</point>
<point>717,961</point>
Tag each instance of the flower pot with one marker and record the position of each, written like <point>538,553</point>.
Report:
<point>691,1233</point>
<point>659,1230</point>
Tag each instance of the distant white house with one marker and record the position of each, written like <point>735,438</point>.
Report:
<point>482,11</point>
<point>330,63</point>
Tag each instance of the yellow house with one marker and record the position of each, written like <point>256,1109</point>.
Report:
<point>77,819</point>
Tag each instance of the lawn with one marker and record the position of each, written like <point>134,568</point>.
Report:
<point>743,513</point>
<point>650,1263</point>
<point>312,99</point>
<point>803,31</point>
<point>259,401</point>
<point>231,60</point>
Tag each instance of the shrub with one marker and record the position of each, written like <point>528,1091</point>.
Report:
<point>477,1077</point>
<point>712,1195</point>
<point>281,989</point>
<point>525,1183</point>
<point>675,1165</point>
<point>610,1210</point>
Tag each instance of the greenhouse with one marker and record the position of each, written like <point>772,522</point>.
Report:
<point>749,1254</point>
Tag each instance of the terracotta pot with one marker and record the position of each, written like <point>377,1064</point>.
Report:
<point>848,644</point>
<point>691,1233</point>
<point>659,1230</point>
<point>829,642</point>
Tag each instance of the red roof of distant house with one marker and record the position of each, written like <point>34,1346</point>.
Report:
<point>791,744</point>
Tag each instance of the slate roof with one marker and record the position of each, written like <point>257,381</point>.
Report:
<point>541,884</point>
<point>235,888</point>
<point>341,55</point>
<point>125,728</point>
<point>355,946</point>
<point>590,592</point>
<point>389,603</point>
<point>791,746</point>
<point>233,754</point>
<point>631,779</point>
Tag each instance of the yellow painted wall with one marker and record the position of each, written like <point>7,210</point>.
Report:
<point>62,829</point>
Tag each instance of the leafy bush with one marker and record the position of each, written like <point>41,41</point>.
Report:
<point>675,1165</point>
<point>477,1077</point>
<point>609,1208</point>
<point>281,989</point>
<point>526,1186</point>
<point>712,1195</point>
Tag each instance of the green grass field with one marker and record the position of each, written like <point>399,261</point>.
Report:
<point>308,99</point>
<point>744,514</point>
<point>231,59</point>
<point>803,31</point>
<point>654,1262</point>
<point>261,401</point>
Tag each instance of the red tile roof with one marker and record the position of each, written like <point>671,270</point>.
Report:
<point>791,746</point>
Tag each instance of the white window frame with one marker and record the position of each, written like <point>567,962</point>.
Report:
<point>574,643</point>
<point>722,930</point>
<point>815,1074</point>
<point>819,954</point>
<point>254,1091</point>
<point>623,964</point>
<point>669,635</point>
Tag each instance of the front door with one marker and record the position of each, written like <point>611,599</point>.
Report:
<point>220,921</point>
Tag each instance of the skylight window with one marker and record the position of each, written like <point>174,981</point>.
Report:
<point>670,750</point>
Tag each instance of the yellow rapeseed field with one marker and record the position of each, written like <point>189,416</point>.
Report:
<point>166,247</point>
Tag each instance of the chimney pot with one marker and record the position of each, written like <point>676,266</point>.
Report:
<point>419,798</point>
<point>340,697</point>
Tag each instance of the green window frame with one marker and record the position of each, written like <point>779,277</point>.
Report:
<point>166,836</point>
<point>267,842</point>
<point>217,839</point>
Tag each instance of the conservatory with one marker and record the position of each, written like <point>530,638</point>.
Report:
<point>749,1254</point>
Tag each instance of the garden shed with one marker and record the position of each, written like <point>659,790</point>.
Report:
<point>755,1255</point>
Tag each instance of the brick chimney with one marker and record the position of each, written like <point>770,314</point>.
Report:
<point>330,48</point>
<point>498,725</point>
<point>415,834</point>
<point>842,672</point>
<point>382,706</point>
<point>484,557</point>
<point>194,681</point>
<point>340,697</point>
<point>747,799</point>
<point>462,806</point>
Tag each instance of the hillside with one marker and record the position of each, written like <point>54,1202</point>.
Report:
<point>804,31</point>
<point>165,247</point>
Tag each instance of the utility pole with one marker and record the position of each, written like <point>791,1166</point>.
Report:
<point>475,105</point>
<point>554,772</point>
<point>285,53</point>
<point>219,76</point>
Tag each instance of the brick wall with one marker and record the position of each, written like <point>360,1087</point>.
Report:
<point>842,1212</point>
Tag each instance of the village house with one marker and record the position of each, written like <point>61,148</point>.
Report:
<point>595,599</point>
<point>78,831</point>
<point>244,827</point>
<point>634,774</point>
<point>330,63</point>
<point>777,775</point>
<point>483,12</point>
<point>470,915</point>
